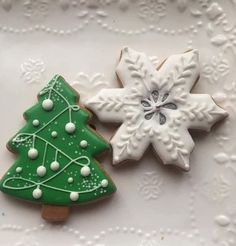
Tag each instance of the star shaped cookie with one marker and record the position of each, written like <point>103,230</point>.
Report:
<point>155,107</point>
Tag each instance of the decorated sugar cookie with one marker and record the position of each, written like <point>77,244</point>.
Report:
<point>55,163</point>
<point>156,107</point>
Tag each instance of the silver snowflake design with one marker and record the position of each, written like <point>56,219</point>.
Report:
<point>155,107</point>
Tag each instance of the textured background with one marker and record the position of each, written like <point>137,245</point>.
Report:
<point>154,205</point>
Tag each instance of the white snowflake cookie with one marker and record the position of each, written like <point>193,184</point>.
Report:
<point>156,107</point>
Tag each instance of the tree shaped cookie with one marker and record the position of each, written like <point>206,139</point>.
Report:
<point>55,163</point>
<point>156,107</point>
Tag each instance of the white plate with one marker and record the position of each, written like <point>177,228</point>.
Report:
<point>81,40</point>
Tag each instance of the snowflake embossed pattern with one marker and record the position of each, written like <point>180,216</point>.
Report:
<point>150,186</point>
<point>36,9</point>
<point>156,107</point>
<point>32,71</point>
<point>217,68</point>
<point>152,11</point>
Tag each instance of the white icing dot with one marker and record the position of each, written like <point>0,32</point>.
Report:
<point>33,153</point>
<point>18,169</point>
<point>35,122</point>
<point>74,196</point>
<point>70,180</point>
<point>85,171</point>
<point>70,127</point>
<point>37,193</point>
<point>54,165</point>
<point>83,144</point>
<point>41,171</point>
<point>186,166</point>
<point>47,104</point>
<point>104,183</point>
<point>54,134</point>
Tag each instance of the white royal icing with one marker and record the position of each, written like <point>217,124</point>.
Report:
<point>83,144</point>
<point>41,171</point>
<point>104,183</point>
<point>47,104</point>
<point>85,171</point>
<point>54,134</point>
<point>35,122</point>
<point>54,166</point>
<point>70,180</point>
<point>37,193</point>
<point>33,153</point>
<point>19,169</point>
<point>74,196</point>
<point>156,107</point>
<point>70,127</point>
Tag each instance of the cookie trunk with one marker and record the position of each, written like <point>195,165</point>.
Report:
<point>55,213</point>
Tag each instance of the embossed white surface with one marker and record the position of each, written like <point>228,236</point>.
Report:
<point>155,205</point>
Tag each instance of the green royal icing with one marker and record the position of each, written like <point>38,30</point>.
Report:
<point>56,152</point>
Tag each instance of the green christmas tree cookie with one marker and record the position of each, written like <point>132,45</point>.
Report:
<point>55,150</point>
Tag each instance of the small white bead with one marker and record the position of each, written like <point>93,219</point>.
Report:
<point>47,104</point>
<point>54,134</point>
<point>85,171</point>
<point>35,122</point>
<point>41,171</point>
<point>18,169</point>
<point>54,165</point>
<point>83,144</point>
<point>33,153</point>
<point>37,193</point>
<point>104,183</point>
<point>74,196</point>
<point>70,127</point>
<point>70,180</point>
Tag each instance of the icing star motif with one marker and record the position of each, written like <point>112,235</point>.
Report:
<point>156,107</point>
